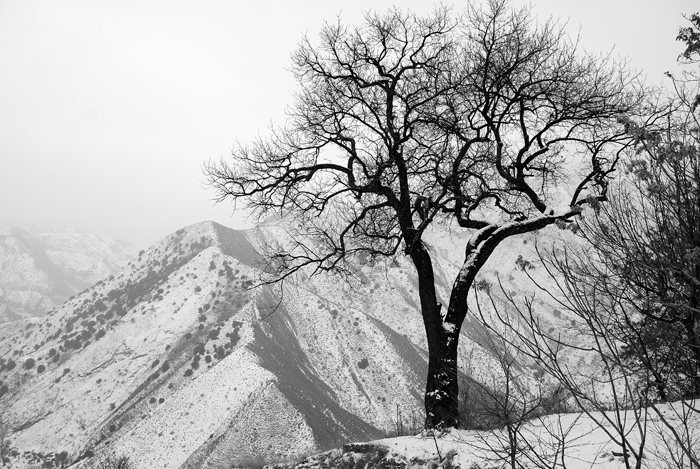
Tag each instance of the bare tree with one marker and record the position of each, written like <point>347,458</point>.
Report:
<point>509,400</point>
<point>611,396</point>
<point>638,255</point>
<point>642,248</point>
<point>408,120</point>
<point>633,288</point>
<point>677,432</point>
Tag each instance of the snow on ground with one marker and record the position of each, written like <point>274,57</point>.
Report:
<point>186,421</point>
<point>585,443</point>
<point>573,440</point>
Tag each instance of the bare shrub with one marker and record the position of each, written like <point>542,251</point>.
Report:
<point>112,461</point>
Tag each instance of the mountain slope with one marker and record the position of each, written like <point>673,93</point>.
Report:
<point>169,361</point>
<point>41,270</point>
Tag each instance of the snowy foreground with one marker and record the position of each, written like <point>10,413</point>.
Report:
<point>571,440</point>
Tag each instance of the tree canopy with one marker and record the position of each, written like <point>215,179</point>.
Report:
<point>487,121</point>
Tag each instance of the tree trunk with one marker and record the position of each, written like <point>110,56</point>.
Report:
<point>442,332</point>
<point>442,387</point>
<point>441,390</point>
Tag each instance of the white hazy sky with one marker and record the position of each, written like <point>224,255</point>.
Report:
<point>109,108</point>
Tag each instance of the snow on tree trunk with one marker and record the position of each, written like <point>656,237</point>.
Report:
<point>442,389</point>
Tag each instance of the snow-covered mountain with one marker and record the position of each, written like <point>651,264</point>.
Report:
<point>40,269</point>
<point>177,362</point>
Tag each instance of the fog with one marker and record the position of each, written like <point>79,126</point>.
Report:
<point>109,109</point>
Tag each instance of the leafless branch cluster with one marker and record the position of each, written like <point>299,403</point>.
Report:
<point>473,120</point>
<point>408,119</point>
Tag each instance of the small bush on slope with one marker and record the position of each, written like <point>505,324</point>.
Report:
<point>113,462</point>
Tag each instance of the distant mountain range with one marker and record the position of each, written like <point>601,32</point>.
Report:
<point>42,268</point>
<point>179,361</point>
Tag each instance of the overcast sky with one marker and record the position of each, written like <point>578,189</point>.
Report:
<point>109,108</point>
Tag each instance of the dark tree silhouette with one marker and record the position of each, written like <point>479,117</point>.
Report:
<point>408,120</point>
